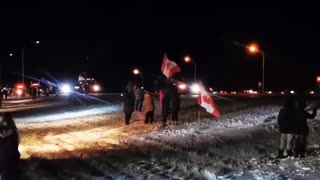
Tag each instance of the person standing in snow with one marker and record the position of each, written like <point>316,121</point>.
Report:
<point>175,103</point>
<point>138,93</point>
<point>149,107</point>
<point>286,128</point>
<point>301,129</point>
<point>9,153</point>
<point>165,105</point>
<point>128,107</point>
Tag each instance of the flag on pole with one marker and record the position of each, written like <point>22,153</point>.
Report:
<point>206,102</point>
<point>169,68</point>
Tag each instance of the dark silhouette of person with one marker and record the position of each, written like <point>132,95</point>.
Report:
<point>165,102</point>
<point>9,143</point>
<point>1,98</point>
<point>128,106</point>
<point>286,128</point>
<point>5,92</point>
<point>138,94</point>
<point>175,103</point>
<point>129,88</point>
<point>301,128</point>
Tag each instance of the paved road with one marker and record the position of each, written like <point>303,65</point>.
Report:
<point>59,108</point>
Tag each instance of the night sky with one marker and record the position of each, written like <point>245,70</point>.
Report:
<point>108,40</point>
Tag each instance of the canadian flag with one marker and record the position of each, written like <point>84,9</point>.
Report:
<point>168,67</point>
<point>206,102</point>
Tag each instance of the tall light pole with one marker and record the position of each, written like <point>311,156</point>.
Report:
<point>138,72</point>
<point>22,60</point>
<point>253,49</point>
<point>188,59</point>
<point>22,64</point>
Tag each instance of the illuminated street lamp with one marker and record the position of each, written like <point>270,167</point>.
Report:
<point>138,72</point>
<point>188,59</point>
<point>318,79</point>
<point>254,49</point>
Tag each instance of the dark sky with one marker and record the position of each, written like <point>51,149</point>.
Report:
<point>108,40</point>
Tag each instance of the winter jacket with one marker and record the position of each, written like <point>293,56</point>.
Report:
<point>3,154</point>
<point>9,153</point>
<point>301,121</point>
<point>286,120</point>
<point>138,93</point>
<point>129,88</point>
<point>175,100</point>
<point>166,100</point>
<point>128,105</point>
<point>148,103</point>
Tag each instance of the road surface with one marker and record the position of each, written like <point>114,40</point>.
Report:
<point>59,108</point>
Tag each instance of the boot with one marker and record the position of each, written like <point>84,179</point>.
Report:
<point>296,153</point>
<point>280,154</point>
<point>164,124</point>
<point>289,153</point>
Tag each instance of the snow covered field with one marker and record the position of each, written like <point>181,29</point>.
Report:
<point>239,145</point>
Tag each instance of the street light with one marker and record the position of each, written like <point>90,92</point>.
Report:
<point>188,59</point>
<point>138,72</point>
<point>254,49</point>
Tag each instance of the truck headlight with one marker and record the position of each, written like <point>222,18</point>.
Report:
<point>66,88</point>
<point>96,88</point>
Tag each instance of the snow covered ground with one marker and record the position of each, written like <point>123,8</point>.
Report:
<point>239,145</point>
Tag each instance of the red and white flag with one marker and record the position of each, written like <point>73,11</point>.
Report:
<point>206,102</point>
<point>169,68</point>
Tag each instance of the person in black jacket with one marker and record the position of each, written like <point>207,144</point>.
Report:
<point>175,104</point>
<point>301,129</point>
<point>9,140</point>
<point>128,106</point>
<point>286,127</point>
<point>138,94</point>
<point>1,98</point>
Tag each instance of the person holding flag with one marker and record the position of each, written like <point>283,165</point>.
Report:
<point>168,68</point>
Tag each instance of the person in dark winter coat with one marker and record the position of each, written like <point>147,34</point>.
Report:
<point>5,92</point>
<point>301,129</point>
<point>166,110</point>
<point>286,127</point>
<point>10,156</point>
<point>129,88</point>
<point>1,98</point>
<point>138,94</point>
<point>128,107</point>
<point>175,104</point>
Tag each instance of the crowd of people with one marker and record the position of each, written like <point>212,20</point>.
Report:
<point>292,121</point>
<point>135,99</point>
<point>293,126</point>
